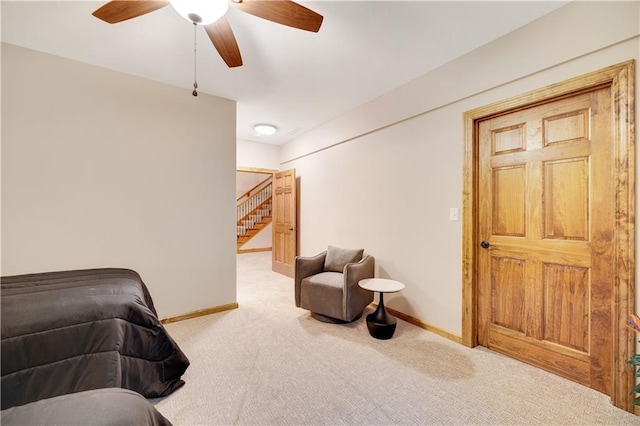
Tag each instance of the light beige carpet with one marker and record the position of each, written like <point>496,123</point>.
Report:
<point>270,363</point>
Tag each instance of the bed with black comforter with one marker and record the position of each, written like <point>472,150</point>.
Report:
<point>72,331</point>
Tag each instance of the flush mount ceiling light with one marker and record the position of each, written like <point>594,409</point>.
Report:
<point>265,129</point>
<point>201,12</point>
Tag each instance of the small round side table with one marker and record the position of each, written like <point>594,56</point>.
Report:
<point>380,323</point>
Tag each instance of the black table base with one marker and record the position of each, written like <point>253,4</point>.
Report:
<point>380,323</point>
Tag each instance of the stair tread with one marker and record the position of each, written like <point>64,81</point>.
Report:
<point>254,221</point>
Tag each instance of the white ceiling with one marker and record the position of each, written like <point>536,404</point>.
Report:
<point>294,79</point>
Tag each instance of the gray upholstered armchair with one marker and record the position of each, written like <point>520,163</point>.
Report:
<point>327,284</point>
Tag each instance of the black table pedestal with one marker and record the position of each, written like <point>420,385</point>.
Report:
<point>380,323</point>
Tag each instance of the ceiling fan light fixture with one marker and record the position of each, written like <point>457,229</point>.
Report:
<point>265,129</point>
<point>201,12</point>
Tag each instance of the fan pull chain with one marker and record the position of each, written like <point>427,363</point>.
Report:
<point>195,80</point>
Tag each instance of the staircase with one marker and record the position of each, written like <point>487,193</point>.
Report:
<point>253,211</point>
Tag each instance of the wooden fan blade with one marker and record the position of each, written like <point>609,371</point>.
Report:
<point>285,12</point>
<point>121,10</point>
<point>224,41</point>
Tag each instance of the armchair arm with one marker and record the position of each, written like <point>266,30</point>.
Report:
<point>356,298</point>
<point>305,267</point>
<point>354,272</point>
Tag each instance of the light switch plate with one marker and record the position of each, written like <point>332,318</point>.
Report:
<point>454,214</point>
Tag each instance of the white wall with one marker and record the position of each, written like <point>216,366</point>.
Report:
<point>402,153</point>
<point>103,169</point>
<point>262,240</point>
<point>251,154</point>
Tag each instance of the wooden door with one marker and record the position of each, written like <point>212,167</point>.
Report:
<point>546,215</point>
<point>284,222</point>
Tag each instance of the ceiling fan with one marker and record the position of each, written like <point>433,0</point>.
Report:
<point>211,15</point>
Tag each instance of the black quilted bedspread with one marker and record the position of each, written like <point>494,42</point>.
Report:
<point>65,332</point>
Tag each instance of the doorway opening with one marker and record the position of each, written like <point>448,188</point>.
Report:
<point>254,210</point>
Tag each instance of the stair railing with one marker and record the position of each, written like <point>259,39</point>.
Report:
<point>255,189</point>
<point>255,207</point>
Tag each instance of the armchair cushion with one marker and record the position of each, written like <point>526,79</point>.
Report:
<point>324,292</point>
<point>338,258</point>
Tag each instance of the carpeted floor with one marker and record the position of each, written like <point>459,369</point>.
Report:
<point>270,363</point>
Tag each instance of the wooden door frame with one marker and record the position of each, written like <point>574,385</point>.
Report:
<point>620,78</point>
<point>256,170</point>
